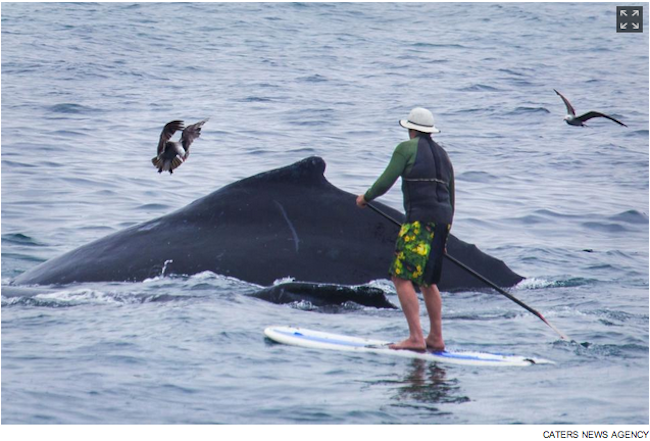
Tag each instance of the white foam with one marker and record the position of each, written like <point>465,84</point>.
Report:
<point>81,296</point>
<point>534,283</point>
<point>284,280</point>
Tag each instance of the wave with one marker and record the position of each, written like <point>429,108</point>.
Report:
<point>72,108</point>
<point>255,99</point>
<point>23,257</point>
<point>643,133</point>
<point>20,239</point>
<point>589,349</point>
<point>314,79</point>
<point>485,316</point>
<point>69,133</point>
<point>512,72</point>
<point>541,283</point>
<point>530,219</point>
<point>69,298</point>
<point>618,223</point>
<point>304,150</point>
<point>153,206</point>
<point>631,217</point>
<point>479,88</point>
<point>477,176</point>
<point>17,164</point>
<point>554,214</point>
<point>156,289</point>
<point>535,283</point>
<point>475,110</point>
<point>306,305</point>
<point>527,110</point>
<point>438,45</point>
<point>605,227</point>
<point>616,318</point>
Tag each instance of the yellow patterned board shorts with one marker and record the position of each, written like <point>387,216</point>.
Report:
<point>419,252</point>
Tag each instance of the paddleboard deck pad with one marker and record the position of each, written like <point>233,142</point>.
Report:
<point>308,338</point>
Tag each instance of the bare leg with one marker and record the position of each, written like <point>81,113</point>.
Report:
<point>411,308</point>
<point>433,302</point>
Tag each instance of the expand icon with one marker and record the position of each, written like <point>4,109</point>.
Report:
<point>629,19</point>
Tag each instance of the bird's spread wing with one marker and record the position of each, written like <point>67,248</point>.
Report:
<point>167,132</point>
<point>190,134</point>
<point>569,107</point>
<point>593,114</point>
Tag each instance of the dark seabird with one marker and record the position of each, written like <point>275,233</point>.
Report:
<point>574,120</point>
<point>172,154</point>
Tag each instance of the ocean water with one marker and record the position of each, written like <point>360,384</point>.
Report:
<point>86,89</point>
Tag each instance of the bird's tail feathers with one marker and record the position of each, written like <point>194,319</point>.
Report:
<point>176,162</point>
<point>163,165</point>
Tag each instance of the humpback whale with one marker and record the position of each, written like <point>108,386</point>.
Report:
<point>324,294</point>
<point>284,223</point>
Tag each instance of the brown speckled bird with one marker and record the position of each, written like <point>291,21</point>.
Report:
<point>172,154</point>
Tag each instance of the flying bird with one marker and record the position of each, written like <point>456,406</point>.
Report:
<point>574,120</point>
<point>172,154</point>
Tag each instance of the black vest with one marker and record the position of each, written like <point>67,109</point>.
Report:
<point>426,187</point>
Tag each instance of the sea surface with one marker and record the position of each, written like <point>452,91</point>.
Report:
<point>87,87</point>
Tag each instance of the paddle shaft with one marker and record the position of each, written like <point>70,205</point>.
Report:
<point>483,279</point>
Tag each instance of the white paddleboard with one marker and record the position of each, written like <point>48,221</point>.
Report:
<point>324,340</point>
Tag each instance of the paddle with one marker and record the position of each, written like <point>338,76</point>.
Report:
<point>483,279</point>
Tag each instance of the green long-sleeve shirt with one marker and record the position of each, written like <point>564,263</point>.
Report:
<point>400,165</point>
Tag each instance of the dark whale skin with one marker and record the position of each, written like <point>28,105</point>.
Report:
<point>287,222</point>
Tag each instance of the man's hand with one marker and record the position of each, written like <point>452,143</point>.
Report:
<point>361,201</point>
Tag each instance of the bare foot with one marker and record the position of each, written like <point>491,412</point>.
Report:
<point>410,344</point>
<point>435,344</point>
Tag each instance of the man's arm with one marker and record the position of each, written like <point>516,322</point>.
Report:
<point>393,171</point>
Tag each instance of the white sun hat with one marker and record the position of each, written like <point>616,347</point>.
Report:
<point>420,119</point>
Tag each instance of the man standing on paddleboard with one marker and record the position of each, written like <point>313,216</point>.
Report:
<point>428,189</point>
